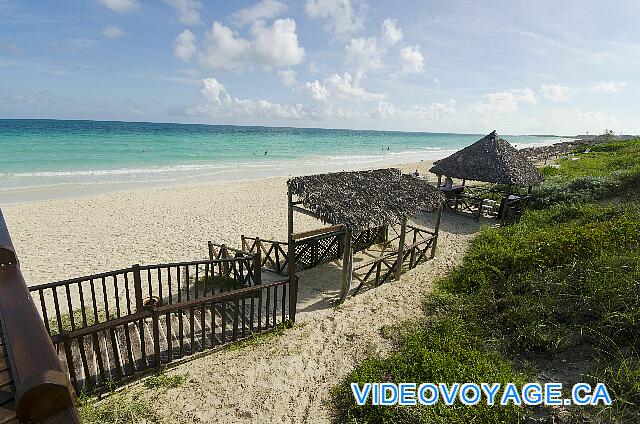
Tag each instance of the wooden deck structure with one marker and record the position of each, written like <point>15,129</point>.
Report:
<point>492,160</point>
<point>362,207</point>
<point>33,384</point>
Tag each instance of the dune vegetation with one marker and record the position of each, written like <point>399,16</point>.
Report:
<point>555,297</point>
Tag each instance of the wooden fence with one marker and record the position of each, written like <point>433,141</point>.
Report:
<point>33,384</point>
<point>127,347</point>
<point>383,268</point>
<point>117,325</point>
<point>76,303</point>
<point>311,251</point>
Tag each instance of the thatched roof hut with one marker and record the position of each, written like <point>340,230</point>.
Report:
<point>364,199</point>
<point>490,159</point>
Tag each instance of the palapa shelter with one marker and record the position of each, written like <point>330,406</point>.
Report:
<point>493,160</point>
<point>490,159</point>
<point>355,201</point>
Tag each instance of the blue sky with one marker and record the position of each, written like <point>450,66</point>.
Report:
<point>562,67</point>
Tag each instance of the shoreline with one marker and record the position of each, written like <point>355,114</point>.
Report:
<point>79,191</point>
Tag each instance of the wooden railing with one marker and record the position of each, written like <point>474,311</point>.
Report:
<point>383,268</point>
<point>311,251</point>
<point>76,303</point>
<point>33,383</point>
<point>127,347</point>
<point>273,253</point>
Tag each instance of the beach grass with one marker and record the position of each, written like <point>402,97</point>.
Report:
<point>134,405</point>
<point>65,319</point>
<point>563,282</point>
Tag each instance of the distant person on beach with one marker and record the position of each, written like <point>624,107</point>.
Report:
<point>448,184</point>
<point>265,152</point>
<point>387,147</point>
<point>416,174</point>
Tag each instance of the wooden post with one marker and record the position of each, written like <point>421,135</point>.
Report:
<point>156,333</point>
<point>347,263</point>
<point>403,235</point>
<point>243,243</point>
<point>439,180</point>
<point>436,231</point>
<point>137,284</point>
<point>210,250</point>
<point>505,206</point>
<point>258,263</point>
<point>413,249</point>
<point>223,255</point>
<point>291,254</point>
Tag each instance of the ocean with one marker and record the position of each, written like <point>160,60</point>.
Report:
<point>41,159</point>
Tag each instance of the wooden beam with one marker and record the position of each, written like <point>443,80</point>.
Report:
<point>304,211</point>
<point>403,235</point>
<point>347,265</point>
<point>317,232</point>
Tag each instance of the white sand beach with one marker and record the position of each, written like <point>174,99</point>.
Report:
<point>285,379</point>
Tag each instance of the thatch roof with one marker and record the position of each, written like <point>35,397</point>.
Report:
<point>365,199</point>
<point>490,159</point>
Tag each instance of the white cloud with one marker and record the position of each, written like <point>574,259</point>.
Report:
<point>288,77</point>
<point>572,121</point>
<point>608,87</point>
<point>346,87</point>
<point>120,6</point>
<point>317,91</point>
<point>187,11</point>
<point>184,45</point>
<point>430,112</point>
<point>313,69</point>
<point>277,45</point>
<point>219,103</point>
<point>224,49</point>
<point>558,92</point>
<point>364,53</point>
<point>411,60</point>
<point>272,46</point>
<point>391,33</point>
<point>345,16</point>
<point>112,31</point>
<point>265,9</point>
<point>504,102</point>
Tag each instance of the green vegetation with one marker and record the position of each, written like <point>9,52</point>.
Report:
<point>128,406</point>
<point>163,380</point>
<point>607,172</point>
<point>65,319</point>
<point>562,283</point>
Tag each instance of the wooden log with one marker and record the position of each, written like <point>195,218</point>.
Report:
<point>304,211</point>
<point>403,235</point>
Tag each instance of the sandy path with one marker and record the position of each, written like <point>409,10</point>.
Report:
<point>289,378</point>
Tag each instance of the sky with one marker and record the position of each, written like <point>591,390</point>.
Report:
<point>520,67</point>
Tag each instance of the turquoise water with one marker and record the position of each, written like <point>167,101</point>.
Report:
<point>50,154</point>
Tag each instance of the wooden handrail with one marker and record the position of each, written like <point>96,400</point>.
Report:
<point>42,388</point>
